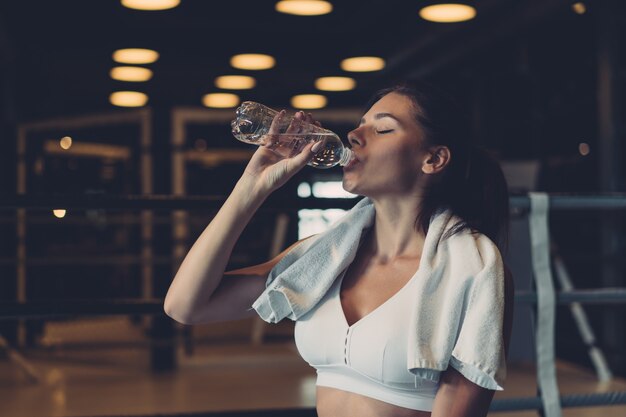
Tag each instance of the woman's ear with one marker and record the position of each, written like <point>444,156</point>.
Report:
<point>436,160</point>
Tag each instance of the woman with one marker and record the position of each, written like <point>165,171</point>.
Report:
<point>414,163</point>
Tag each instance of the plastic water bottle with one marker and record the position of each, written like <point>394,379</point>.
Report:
<point>252,125</point>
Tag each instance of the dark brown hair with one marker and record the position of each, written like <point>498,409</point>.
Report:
<point>472,185</point>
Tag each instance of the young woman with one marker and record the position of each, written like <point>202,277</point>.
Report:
<point>414,163</point>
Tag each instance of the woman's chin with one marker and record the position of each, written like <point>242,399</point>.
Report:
<point>351,186</point>
<point>348,185</point>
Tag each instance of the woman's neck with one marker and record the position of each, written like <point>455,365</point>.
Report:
<point>394,234</point>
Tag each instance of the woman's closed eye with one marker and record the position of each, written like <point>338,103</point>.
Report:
<point>383,131</point>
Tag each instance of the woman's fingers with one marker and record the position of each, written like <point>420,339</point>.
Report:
<point>275,126</point>
<point>274,129</point>
<point>278,161</point>
<point>296,123</point>
<point>281,171</point>
<point>311,121</point>
<point>297,162</point>
<point>290,142</point>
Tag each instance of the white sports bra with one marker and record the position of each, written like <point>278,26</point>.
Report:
<point>369,357</point>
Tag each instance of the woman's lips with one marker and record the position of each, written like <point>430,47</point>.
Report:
<point>355,161</point>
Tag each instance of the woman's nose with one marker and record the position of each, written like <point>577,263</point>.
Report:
<point>354,138</point>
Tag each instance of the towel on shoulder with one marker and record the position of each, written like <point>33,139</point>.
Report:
<point>457,318</point>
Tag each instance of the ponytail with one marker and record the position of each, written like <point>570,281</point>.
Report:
<point>486,208</point>
<point>478,194</point>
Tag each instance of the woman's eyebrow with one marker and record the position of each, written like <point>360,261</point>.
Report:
<point>378,116</point>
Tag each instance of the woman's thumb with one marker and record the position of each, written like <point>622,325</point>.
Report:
<point>301,159</point>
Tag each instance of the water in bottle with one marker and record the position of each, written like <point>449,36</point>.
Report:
<point>289,136</point>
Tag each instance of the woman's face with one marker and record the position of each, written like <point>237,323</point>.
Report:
<point>387,145</point>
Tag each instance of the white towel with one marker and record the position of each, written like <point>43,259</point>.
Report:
<point>459,304</point>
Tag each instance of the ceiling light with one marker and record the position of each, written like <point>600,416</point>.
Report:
<point>65,142</point>
<point>252,61</point>
<point>304,7</point>
<point>59,213</point>
<point>220,100</point>
<point>448,13</point>
<point>579,8</point>
<point>335,83</point>
<point>135,56</point>
<point>131,73</point>
<point>235,82</point>
<point>363,64</point>
<point>308,101</point>
<point>150,4</point>
<point>128,99</point>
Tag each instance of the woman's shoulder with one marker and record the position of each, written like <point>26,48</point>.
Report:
<point>472,258</point>
<point>472,242</point>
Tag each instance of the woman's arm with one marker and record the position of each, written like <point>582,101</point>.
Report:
<point>198,293</point>
<point>458,396</point>
<point>236,292</point>
<point>200,274</point>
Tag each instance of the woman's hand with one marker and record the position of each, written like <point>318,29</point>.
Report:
<point>272,166</point>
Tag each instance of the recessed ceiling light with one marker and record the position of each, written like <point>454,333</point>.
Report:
<point>65,142</point>
<point>235,82</point>
<point>363,64</point>
<point>308,101</point>
<point>304,7</point>
<point>448,13</point>
<point>252,61</point>
<point>135,56</point>
<point>150,4</point>
<point>220,100</point>
<point>579,7</point>
<point>128,99</point>
<point>59,213</point>
<point>335,83</point>
<point>136,74</point>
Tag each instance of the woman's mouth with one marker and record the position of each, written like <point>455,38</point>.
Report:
<point>351,165</point>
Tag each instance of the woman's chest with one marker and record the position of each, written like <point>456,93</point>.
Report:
<point>375,345</point>
<point>368,285</point>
